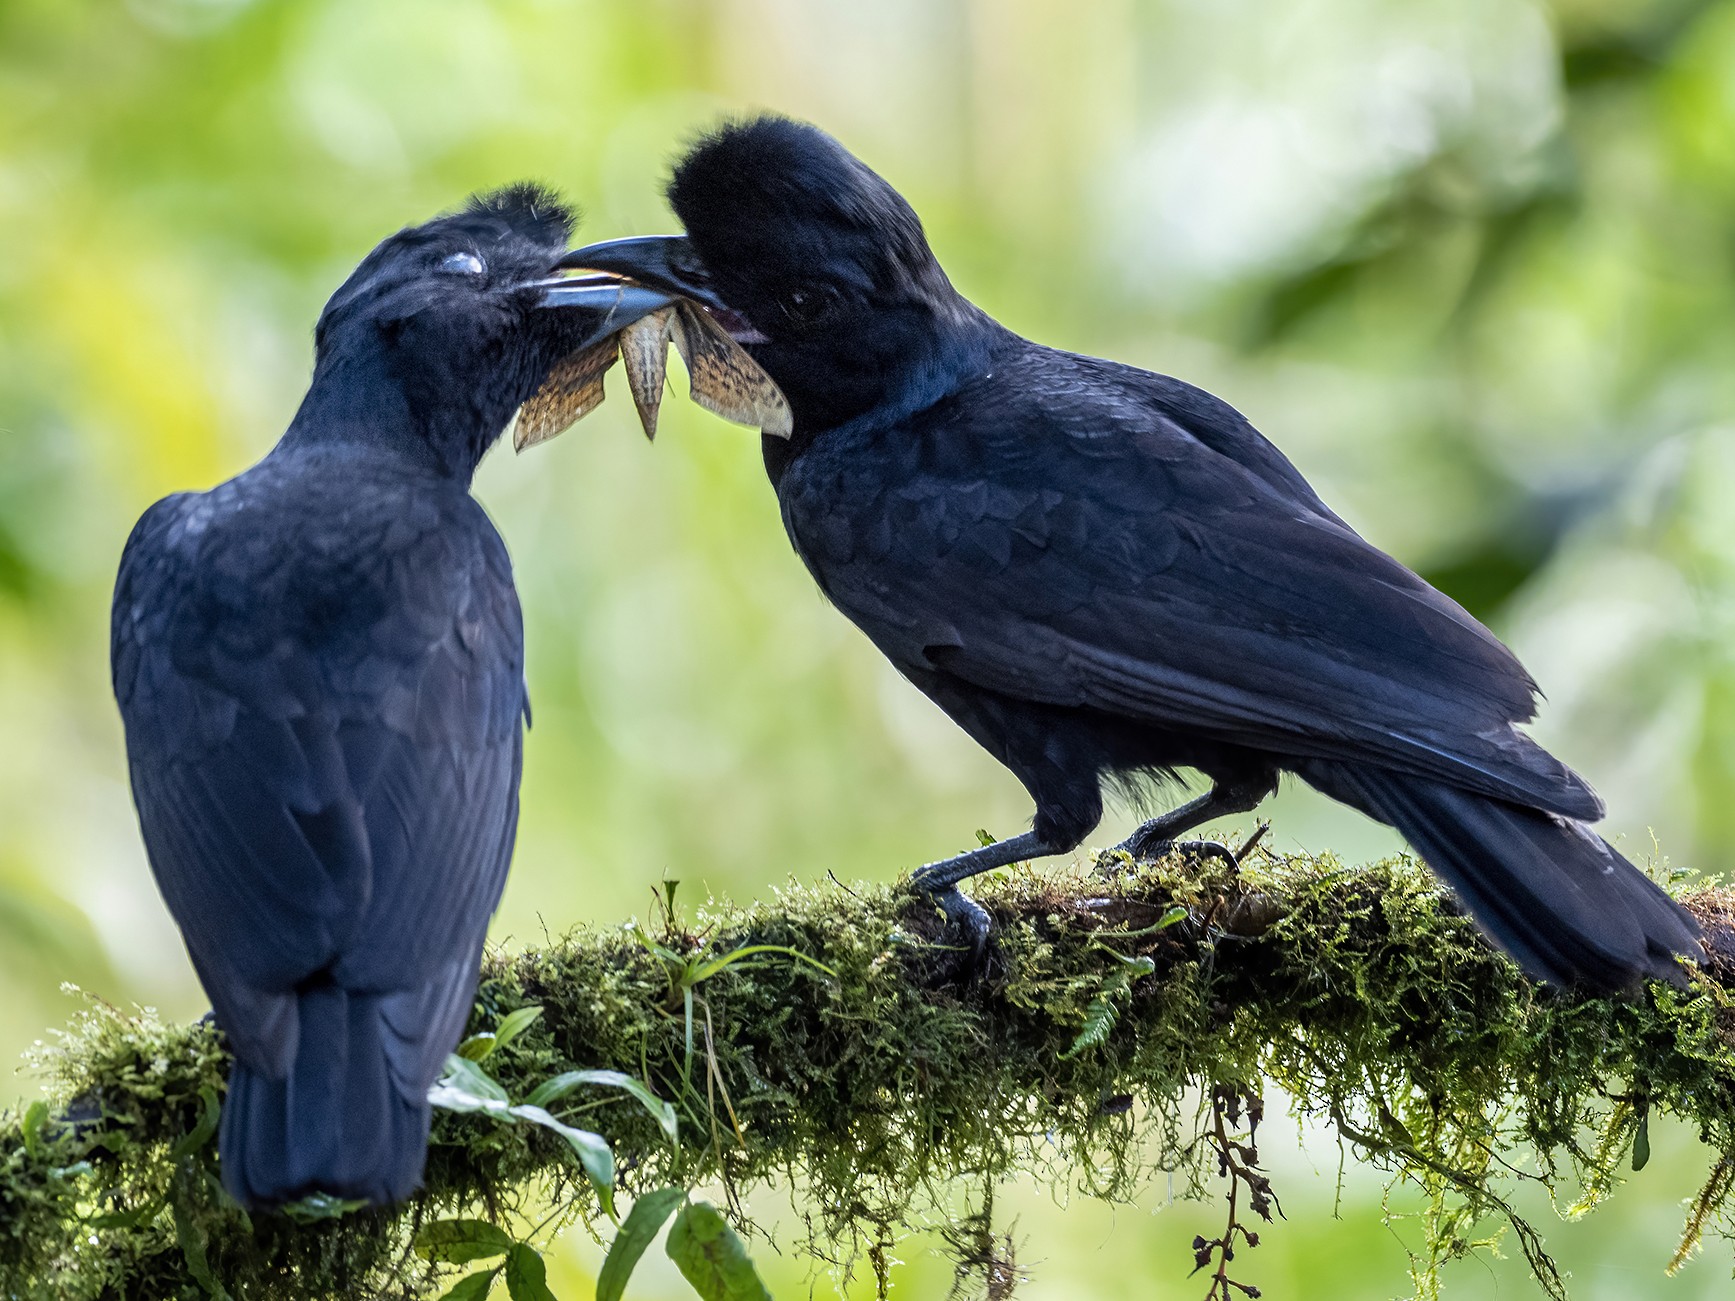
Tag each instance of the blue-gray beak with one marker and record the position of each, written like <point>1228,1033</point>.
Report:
<point>613,303</point>
<point>665,262</point>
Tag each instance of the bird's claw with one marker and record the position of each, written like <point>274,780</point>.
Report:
<point>1148,851</point>
<point>963,914</point>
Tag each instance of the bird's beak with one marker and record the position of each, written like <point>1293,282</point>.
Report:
<point>637,322</point>
<point>665,262</point>
<point>613,303</point>
<point>605,308</point>
<point>724,376</point>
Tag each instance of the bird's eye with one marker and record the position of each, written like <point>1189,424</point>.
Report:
<point>805,304</point>
<point>463,264</point>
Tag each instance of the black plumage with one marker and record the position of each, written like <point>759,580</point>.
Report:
<point>320,666</point>
<point>1104,574</point>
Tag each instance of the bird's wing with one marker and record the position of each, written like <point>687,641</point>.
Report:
<point>323,790</point>
<point>1051,547</point>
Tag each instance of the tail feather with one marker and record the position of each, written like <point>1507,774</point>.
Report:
<point>1547,889</point>
<point>339,1122</point>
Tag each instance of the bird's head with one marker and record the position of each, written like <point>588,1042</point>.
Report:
<point>813,262</point>
<point>454,323</point>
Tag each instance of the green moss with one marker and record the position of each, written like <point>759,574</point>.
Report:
<point>881,1087</point>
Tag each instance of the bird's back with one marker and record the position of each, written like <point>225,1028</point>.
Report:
<point>320,668</point>
<point>1084,534</point>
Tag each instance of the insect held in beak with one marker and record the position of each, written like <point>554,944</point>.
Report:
<point>722,377</point>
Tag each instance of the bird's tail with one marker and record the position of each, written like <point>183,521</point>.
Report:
<point>338,1123</point>
<point>1545,888</point>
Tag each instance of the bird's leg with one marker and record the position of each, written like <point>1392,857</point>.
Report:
<point>940,881</point>
<point>1158,836</point>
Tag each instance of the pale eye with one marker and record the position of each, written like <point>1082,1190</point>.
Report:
<point>463,264</point>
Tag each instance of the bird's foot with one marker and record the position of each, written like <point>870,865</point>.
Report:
<point>939,881</point>
<point>1147,849</point>
<point>966,919</point>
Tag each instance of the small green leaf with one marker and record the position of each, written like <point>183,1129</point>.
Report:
<point>705,970</point>
<point>687,1017</point>
<point>1104,1009</point>
<point>321,1206</point>
<point>661,1111</point>
<point>984,838</point>
<point>1642,1143</point>
<point>472,1287</point>
<point>467,1087</point>
<point>35,1116</point>
<point>660,951</point>
<point>191,1238</point>
<point>526,1275</point>
<point>459,1241</point>
<point>638,1232</point>
<point>1099,1019</point>
<point>557,1087</point>
<point>476,1048</point>
<point>128,1219</point>
<point>203,1131</point>
<point>712,1257</point>
<point>1177,913</point>
<point>515,1024</point>
<point>592,1151</point>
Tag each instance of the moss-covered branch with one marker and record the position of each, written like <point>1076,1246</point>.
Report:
<point>1118,1022</point>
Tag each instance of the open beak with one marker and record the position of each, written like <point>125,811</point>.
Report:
<point>665,262</point>
<point>667,299</point>
<point>613,303</point>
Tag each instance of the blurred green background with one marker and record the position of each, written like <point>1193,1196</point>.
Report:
<point>1470,262</point>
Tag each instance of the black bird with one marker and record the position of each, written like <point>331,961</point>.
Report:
<point>320,665</point>
<point>1104,574</point>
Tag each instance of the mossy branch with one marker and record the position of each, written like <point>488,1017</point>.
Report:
<point>879,1073</point>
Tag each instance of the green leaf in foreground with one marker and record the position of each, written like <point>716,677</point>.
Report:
<point>35,1115</point>
<point>472,1287</point>
<point>465,1086</point>
<point>459,1241</point>
<point>1104,1009</point>
<point>526,1275</point>
<point>515,1024</point>
<point>554,1089</point>
<point>202,1132</point>
<point>190,1235</point>
<point>591,1149</point>
<point>636,1234</point>
<point>480,1047</point>
<point>476,1047</point>
<point>699,972</point>
<point>712,1256</point>
<point>321,1206</point>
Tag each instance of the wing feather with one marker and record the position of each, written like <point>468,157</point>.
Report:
<point>324,732</point>
<point>1084,549</point>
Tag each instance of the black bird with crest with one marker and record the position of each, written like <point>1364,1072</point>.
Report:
<point>1104,575</point>
<point>320,667</point>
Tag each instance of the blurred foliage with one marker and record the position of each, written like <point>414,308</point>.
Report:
<point>1470,262</point>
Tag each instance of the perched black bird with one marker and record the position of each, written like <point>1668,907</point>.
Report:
<point>320,665</point>
<point>1106,574</point>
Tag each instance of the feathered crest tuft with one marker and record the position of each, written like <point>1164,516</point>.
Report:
<point>775,166</point>
<point>530,208</point>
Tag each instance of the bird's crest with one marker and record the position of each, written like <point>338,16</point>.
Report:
<point>773,165</point>
<point>530,209</point>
